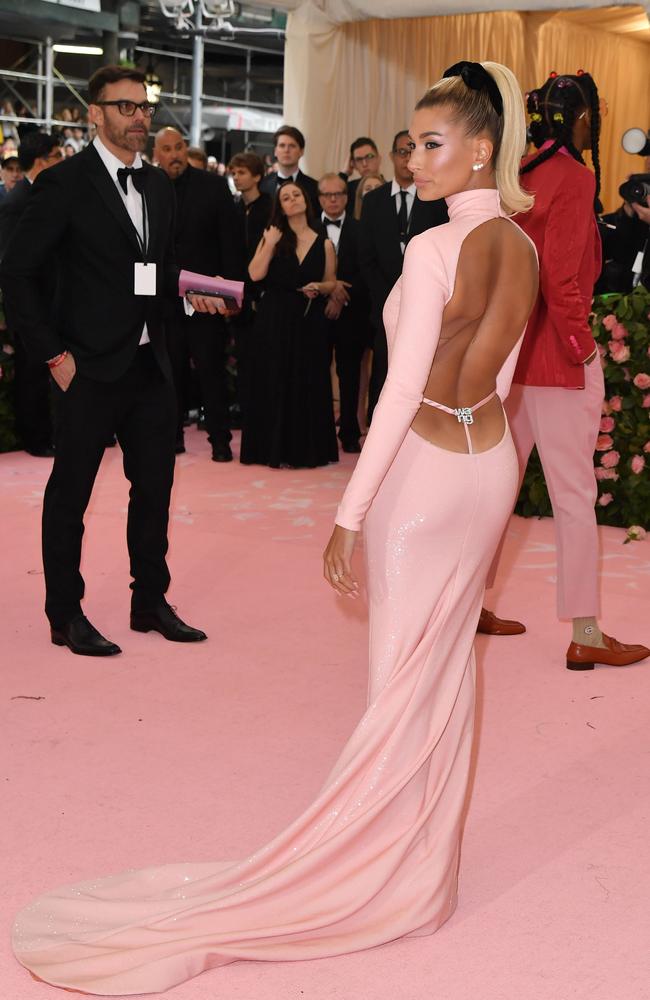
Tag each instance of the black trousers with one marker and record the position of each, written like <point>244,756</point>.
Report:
<point>379,369</point>
<point>140,409</point>
<point>203,339</point>
<point>349,339</point>
<point>32,402</point>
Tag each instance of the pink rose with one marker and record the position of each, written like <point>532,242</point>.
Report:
<point>605,499</point>
<point>607,424</point>
<point>619,332</point>
<point>646,401</point>
<point>606,474</point>
<point>642,381</point>
<point>646,446</point>
<point>637,464</point>
<point>602,350</point>
<point>604,442</point>
<point>649,352</point>
<point>619,352</point>
<point>635,533</point>
<point>616,404</point>
<point>609,322</point>
<point>626,373</point>
<point>610,459</point>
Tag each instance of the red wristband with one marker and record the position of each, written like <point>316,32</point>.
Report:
<point>58,360</point>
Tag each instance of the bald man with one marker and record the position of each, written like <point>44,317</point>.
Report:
<point>207,241</point>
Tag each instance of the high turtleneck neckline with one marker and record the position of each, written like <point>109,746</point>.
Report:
<point>479,201</point>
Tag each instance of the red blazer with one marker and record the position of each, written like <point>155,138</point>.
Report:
<point>562,225</point>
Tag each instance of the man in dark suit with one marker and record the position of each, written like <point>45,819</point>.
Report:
<point>207,241</point>
<point>107,220</point>
<point>289,147</point>
<point>389,217</point>
<point>365,159</point>
<point>37,152</point>
<point>348,306</point>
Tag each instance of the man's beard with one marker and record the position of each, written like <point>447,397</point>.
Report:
<point>134,141</point>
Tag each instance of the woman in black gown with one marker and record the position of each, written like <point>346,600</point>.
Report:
<point>290,418</point>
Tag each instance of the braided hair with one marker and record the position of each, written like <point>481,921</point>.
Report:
<point>554,109</point>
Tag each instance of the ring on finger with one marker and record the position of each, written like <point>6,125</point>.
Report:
<point>335,577</point>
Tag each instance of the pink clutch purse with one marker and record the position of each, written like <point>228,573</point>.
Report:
<point>232,292</point>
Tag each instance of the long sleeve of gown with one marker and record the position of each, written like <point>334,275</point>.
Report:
<point>424,294</point>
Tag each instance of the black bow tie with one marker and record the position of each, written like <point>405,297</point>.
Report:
<point>333,222</point>
<point>137,176</point>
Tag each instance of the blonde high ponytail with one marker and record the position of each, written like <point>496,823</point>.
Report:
<point>513,141</point>
<point>507,130</point>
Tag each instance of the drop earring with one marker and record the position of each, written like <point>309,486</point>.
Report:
<point>478,166</point>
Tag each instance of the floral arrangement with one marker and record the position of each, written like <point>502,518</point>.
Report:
<point>621,326</point>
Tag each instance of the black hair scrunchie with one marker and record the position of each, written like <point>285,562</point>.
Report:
<point>476,77</point>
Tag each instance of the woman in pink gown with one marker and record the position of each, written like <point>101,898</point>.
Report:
<point>375,857</point>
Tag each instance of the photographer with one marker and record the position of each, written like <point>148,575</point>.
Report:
<point>625,233</point>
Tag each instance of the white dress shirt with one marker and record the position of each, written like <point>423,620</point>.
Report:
<point>333,232</point>
<point>132,199</point>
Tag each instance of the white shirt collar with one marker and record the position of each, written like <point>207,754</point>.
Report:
<point>289,177</point>
<point>111,161</point>
<point>395,189</point>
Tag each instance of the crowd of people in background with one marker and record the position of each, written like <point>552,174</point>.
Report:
<point>319,257</point>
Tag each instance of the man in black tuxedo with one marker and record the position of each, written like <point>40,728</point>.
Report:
<point>208,241</point>
<point>289,147</point>
<point>107,219</point>
<point>348,306</point>
<point>389,217</point>
<point>38,151</point>
<point>253,213</point>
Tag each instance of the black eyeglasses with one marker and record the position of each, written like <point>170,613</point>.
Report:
<point>129,108</point>
<point>368,158</point>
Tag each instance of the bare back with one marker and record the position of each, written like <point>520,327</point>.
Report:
<point>494,292</point>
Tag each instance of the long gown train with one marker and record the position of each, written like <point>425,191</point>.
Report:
<point>375,857</point>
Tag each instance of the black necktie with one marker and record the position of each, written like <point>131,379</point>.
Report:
<point>333,222</point>
<point>403,218</point>
<point>123,175</point>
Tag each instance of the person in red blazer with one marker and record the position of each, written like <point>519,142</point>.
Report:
<point>556,398</point>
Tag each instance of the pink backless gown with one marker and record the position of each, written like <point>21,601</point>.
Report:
<point>375,857</point>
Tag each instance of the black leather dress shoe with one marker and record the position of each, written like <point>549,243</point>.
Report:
<point>164,619</point>
<point>83,638</point>
<point>351,447</point>
<point>45,451</point>
<point>222,453</point>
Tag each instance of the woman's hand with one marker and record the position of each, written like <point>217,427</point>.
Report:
<point>337,562</point>
<point>272,235</point>
<point>311,291</point>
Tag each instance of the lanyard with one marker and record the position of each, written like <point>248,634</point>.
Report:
<point>143,241</point>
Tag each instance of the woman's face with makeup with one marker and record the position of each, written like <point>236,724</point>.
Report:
<point>443,155</point>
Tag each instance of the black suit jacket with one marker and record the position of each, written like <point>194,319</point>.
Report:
<point>76,217</point>
<point>379,240</point>
<point>11,209</point>
<point>271,182</point>
<point>348,268</point>
<point>208,236</point>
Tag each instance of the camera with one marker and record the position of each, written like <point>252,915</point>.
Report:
<point>636,189</point>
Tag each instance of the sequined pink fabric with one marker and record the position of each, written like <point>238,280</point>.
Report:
<point>375,857</point>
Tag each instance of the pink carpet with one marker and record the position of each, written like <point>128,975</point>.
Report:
<point>170,753</point>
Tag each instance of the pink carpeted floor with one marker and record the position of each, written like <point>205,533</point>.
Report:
<point>171,753</point>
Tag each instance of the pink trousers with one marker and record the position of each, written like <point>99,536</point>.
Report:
<point>564,425</point>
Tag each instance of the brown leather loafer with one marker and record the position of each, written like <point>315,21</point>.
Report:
<point>615,654</point>
<point>489,624</point>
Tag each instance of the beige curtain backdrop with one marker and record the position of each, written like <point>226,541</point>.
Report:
<point>364,77</point>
